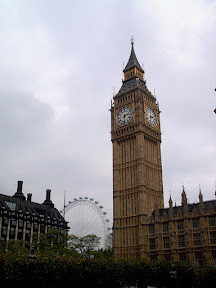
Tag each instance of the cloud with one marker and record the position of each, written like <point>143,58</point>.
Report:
<point>59,64</point>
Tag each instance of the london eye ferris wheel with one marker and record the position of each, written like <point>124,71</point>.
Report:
<point>86,217</point>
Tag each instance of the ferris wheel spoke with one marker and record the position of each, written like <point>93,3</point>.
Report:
<point>85,218</point>
<point>93,226</point>
<point>92,220</point>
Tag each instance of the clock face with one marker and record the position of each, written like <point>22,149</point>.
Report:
<point>151,117</point>
<point>124,116</point>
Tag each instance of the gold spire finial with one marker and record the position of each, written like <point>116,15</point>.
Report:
<point>132,40</point>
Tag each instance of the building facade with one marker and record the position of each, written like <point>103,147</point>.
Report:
<point>21,219</point>
<point>138,203</point>
<point>185,233</point>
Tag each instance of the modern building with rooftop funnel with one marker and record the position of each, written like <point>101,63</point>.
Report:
<point>20,218</point>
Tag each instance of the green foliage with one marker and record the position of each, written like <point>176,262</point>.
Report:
<point>206,277</point>
<point>52,240</point>
<point>86,245</point>
<point>58,266</point>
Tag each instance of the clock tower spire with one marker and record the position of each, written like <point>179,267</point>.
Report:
<point>137,170</point>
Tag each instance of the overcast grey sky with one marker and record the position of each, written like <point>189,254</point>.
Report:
<point>59,62</point>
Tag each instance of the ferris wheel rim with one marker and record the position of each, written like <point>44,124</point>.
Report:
<point>90,202</point>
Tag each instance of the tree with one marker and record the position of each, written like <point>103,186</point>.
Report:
<point>84,245</point>
<point>51,241</point>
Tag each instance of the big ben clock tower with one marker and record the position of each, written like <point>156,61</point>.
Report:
<point>137,170</point>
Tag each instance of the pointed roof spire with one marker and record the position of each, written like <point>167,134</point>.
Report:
<point>170,202</point>
<point>200,194</point>
<point>184,197</point>
<point>133,62</point>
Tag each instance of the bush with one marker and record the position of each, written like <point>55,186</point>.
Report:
<point>58,267</point>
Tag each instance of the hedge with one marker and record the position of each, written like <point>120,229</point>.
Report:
<point>61,270</point>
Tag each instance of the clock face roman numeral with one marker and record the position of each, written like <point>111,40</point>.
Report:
<point>124,116</point>
<point>151,117</point>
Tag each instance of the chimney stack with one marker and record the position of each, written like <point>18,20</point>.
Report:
<point>19,186</point>
<point>19,193</point>
<point>48,199</point>
<point>48,193</point>
<point>29,197</point>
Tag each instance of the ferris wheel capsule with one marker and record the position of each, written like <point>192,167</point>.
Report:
<point>86,217</point>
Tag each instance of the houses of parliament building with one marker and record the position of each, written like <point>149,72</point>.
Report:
<point>142,227</point>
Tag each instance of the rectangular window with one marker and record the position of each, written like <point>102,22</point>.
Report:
<point>28,232</point>
<point>197,239</point>
<point>152,243</point>
<point>181,241</point>
<point>196,223</point>
<point>13,222</point>
<point>198,258</point>
<point>12,233</point>
<point>212,221</point>
<point>12,228</point>
<point>151,228</point>
<point>35,226</point>
<point>20,229</point>
<point>28,236</point>
<point>4,233</point>
<point>20,234</point>
<point>28,225</point>
<point>165,227</point>
<point>180,225</point>
<point>213,237</point>
<point>4,228</point>
<point>20,223</point>
<point>166,242</point>
<point>42,229</point>
<point>5,221</point>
